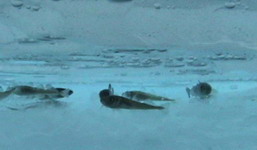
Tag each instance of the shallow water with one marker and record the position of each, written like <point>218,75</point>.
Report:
<point>160,47</point>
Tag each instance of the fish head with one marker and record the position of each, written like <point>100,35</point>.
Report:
<point>105,93</point>
<point>205,88</point>
<point>63,92</point>
<point>201,89</point>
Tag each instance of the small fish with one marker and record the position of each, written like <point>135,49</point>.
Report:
<point>139,95</point>
<point>51,93</point>
<point>202,90</point>
<point>110,100</point>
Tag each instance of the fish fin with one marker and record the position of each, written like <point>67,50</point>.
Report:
<point>188,92</point>
<point>111,90</point>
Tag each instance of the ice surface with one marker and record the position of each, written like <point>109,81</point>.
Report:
<point>155,46</point>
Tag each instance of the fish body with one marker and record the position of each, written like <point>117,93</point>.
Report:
<point>53,93</point>
<point>139,95</point>
<point>114,101</point>
<point>202,90</point>
<point>108,99</point>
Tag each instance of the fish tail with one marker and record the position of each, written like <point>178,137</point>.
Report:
<point>168,99</point>
<point>188,92</point>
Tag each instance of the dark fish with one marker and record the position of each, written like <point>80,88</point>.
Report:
<point>138,95</point>
<point>202,90</point>
<point>51,93</point>
<point>110,100</point>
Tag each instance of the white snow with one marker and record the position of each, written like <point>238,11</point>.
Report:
<point>156,46</point>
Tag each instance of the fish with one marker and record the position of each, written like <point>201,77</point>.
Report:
<point>141,96</point>
<point>108,99</point>
<point>202,90</point>
<point>51,93</point>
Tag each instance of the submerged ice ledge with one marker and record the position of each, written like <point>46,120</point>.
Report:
<point>124,63</point>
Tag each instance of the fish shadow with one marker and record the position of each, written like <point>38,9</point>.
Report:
<point>47,104</point>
